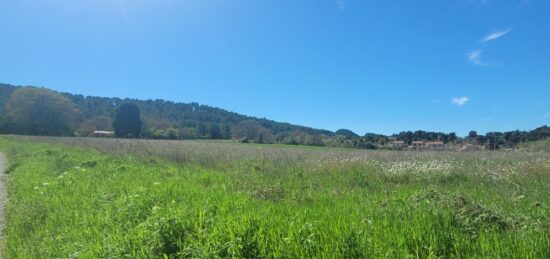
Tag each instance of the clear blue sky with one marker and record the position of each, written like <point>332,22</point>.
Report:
<point>370,66</point>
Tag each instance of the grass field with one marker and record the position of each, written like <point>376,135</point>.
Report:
<point>89,198</point>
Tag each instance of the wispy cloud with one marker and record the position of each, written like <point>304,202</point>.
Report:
<point>474,56</point>
<point>495,35</point>
<point>460,101</point>
<point>341,5</point>
<point>547,115</point>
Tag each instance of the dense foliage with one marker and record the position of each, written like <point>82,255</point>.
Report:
<point>169,120</point>
<point>127,122</point>
<point>38,111</point>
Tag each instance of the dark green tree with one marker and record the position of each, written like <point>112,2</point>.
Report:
<point>202,129</point>
<point>127,122</point>
<point>215,132</point>
<point>452,137</point>
<point>227,131</point>
<point>260,138</point>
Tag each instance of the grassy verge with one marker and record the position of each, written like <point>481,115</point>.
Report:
<point>66,201</point>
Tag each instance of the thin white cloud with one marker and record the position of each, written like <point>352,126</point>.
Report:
<point>474,56</point>
<point>495,35</point>
<point>460,101</point>
<point>547,115</point>
<point>341,5</point>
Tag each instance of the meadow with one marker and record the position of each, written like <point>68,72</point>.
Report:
<point>111,198</point>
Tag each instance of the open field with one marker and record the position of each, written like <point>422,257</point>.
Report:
<point>84,197</point>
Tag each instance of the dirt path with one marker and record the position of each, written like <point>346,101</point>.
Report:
<point>3,199</point>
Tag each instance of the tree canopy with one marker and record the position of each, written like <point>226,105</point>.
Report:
<point>39,111</point>
<point>127,122</point>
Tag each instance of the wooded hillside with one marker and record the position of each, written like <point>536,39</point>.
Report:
<point>40,111</point>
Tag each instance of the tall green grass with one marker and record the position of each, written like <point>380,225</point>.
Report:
<point>110,198</point>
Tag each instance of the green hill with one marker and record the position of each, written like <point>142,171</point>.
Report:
<point>172,120</point>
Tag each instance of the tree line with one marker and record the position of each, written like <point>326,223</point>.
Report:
<point>40,111</point>
<point>491,140</point>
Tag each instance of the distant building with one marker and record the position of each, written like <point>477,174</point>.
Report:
<point>435,145</point>
<point>103,134</point>
<point>417,145</point>
<point>398,145</point>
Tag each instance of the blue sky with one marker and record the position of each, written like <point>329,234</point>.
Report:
<point>369,66</point>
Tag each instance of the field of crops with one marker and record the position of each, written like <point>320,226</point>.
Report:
<point>90,198</point>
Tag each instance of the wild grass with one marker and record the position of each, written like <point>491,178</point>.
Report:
<point>89,198</point>
<point>539,145</point>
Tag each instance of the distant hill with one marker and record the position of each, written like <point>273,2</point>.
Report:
<point>40,111</point>
<point>166,119</point>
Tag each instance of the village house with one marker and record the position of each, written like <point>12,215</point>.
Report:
<point>417,145</point>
